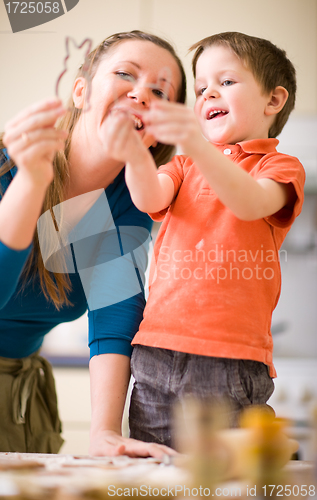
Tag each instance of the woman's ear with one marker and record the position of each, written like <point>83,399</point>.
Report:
<point>79,92</point>
<point>278,98</point>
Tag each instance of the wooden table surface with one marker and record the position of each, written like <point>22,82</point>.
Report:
<point>66,477</point>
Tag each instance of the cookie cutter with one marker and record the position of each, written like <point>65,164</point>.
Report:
<point>84,68</point>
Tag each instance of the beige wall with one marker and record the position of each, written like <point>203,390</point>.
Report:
<point>30,61</point>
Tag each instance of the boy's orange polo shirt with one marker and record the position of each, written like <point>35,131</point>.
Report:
<point>215,278</point>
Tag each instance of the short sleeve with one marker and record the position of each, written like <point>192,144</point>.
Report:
<point>286,170</point>
<point>175,170</point>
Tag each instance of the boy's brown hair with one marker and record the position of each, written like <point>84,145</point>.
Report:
<point>269,65</point>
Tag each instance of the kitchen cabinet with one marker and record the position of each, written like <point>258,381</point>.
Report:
<point>73,395</point>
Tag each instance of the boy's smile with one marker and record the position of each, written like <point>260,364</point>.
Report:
<point>230,103</point>
<point>215,113</point>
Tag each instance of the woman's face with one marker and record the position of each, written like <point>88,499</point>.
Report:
<point>131,76</point>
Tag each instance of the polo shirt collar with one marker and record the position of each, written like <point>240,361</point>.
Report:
<point>255,146</point>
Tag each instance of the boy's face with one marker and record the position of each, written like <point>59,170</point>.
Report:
<point>230,103</point>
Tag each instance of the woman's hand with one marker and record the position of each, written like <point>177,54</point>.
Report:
<point>32,141</point>
<point>112,444</point>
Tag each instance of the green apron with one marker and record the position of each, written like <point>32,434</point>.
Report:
<point>29,421</point>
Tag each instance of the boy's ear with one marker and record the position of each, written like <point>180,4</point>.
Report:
<point>278,98</point>
<point>79,92</point>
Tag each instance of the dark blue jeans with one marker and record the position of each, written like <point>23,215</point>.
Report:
<point>164,378</point>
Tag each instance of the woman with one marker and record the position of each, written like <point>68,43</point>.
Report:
<point>127,74</point>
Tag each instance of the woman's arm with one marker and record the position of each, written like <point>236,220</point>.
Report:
<point>109,380</point>
<point>115,297</point>
<point>31,141</point>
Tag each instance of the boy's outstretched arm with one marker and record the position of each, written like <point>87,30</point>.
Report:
<point>248,198</point>
<point>149,191</point>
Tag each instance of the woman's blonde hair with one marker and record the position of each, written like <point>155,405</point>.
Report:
<point>56,286</point>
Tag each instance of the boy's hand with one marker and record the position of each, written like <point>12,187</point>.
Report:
<point>173,123</point>
<point>123,143</point>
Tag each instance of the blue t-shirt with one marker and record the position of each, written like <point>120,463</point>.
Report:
<point>26,315</point>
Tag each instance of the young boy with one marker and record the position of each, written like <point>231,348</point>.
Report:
<point>226,208</point>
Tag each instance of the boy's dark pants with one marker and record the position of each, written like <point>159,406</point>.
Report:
<point>164,377</point>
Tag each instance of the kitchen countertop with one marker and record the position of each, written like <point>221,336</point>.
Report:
<point>69,361</point>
